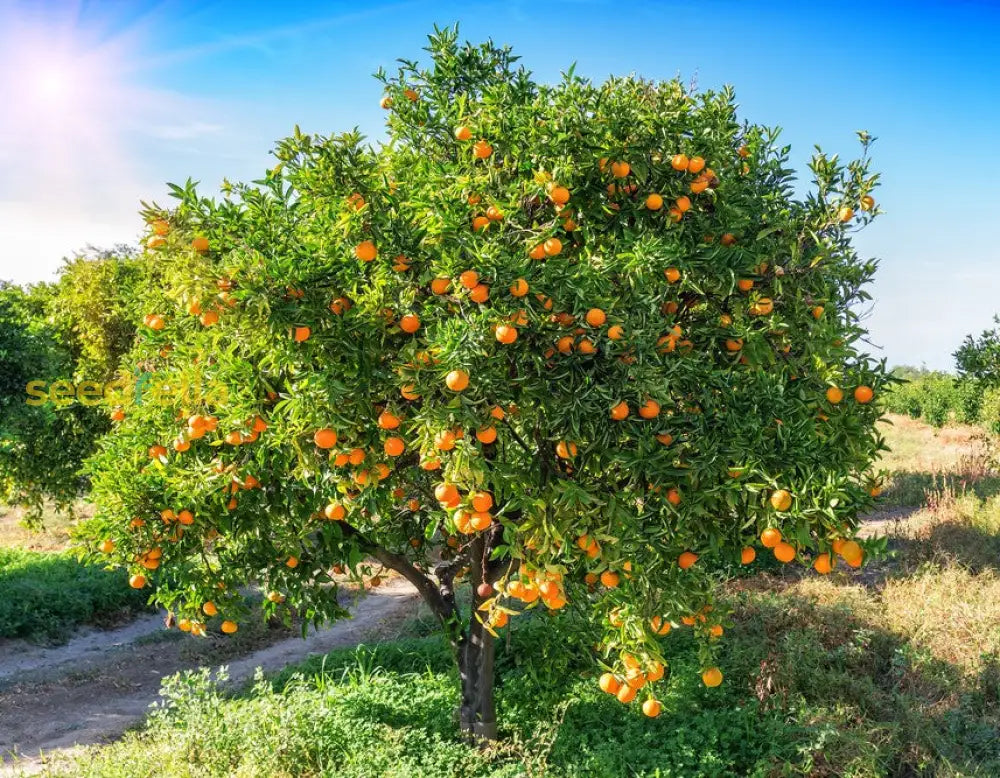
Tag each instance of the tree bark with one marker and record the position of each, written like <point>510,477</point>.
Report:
<point>477,712</point>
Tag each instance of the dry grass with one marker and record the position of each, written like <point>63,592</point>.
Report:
<point>54,535</point>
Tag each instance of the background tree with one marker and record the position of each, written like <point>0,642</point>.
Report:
<point>576,344</point>
<point>979,358</point>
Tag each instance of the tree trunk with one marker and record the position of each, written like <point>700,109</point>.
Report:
<point>477,713</point>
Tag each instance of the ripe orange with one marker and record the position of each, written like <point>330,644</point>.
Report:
<point>596,317</point>
<point>824,563</point>
<point>185,517</point>
<point>519,288</point>
<point>506,334</point>
<point>660,626</point>
<point>480,293</point>
<point>625,694</point>
<point>728,239</point>
<point>609,684</point>
<point>552,246</point>
<point>480,223</point>
<point>679,162</point>
<point>393,446</point>
<point>559,195</point>
<point>445,440</point>
<point>469,279</point>
<point>686,560</point>
<point>695,165</point>
<point>850,551</point>
<point>747,555</point>
<point>410,323</point>
<point>566,449</point>
<point>867,203</point>
<point>494,214</point>
<point>650,409</point>
<point>770,537</point>
<point>229,627</point>
<point>652,708</point>
<point>117,414</point>
<point>654,202</point>
<point>609,579</point>
<point>615,332</point>
<point>365,251</point>
<point>712,677</point>
<point>620,411</point>
<point>457,380</point>
<point>734,344</point>
<point>440,285</point>
<point>834,395</point>
<point>845,214</point>
<point>481,149</point>
<point>683,204</point>
<point>325,438</point>
<point>864,394</point>
<point>334,511</point>
<point>107,546</point>
<point>781,500</point>
<point>673,275</point>
<point>784,552</point>
<point>745,284</point>
<point>410,95</point>
<point>409,392</point>
<point>462,133</point>
<point>675,215</point>
<point>200,244</point>
<point>388,420</point>
<point>817,311</point>
<point>620,169</point>
<point>665,438</point>
<point>339,305</point>
<point>447,494</point>
<point>302,334</point>
<point>137,581</point>
<point>209,609</point>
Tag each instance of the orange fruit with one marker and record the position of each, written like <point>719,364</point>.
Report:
<point>482,501</point>
<point>334,511</point>
<point>620,169</point>
<point>784,552</point>
<point>609,579</point>
<point>686,560</point>
<point>462,133</point>
<point>781,500</point>
<point>481,149</point>
<point>770,537</point>
<point>479,293</point>
<point>444,441</point>
<point>824,563</point>
<point>457,380</point>
<point>410,323</point>
<point>596,317</point>
<point>365,251</point>
<point>845,214</point>
<point>616,332</point>
<point>409,392</point>
<point>699,185</point>
<point>734,344</point>
<point>867,203</point>
<point>229,627</point>
<point>864,394</point>
<point>410,95</point>
<point>137,581</point>
<point>849,550</point>
<point>209,609</point>
<point>566,449</point>
<point>469,279</point>
<point>440,285</point>
<point>683,204</point>
<point>695,165</point>
<point>834,395</point>
<point>552,246</point>
<point>665,438</point>
<point>675,215</point>
<point>747,555</point>
<point>506,334</point>
<point>494,214</point>
<point>559,195</point>
<point>388,420</point>
<point>339,305</point>
<point>107,546</point>
<point>625,694</point>
<point>302,334</point>
<point>325,438</point>
<point>480,223</point>
<point>393,446</point>
<point>654,202</point>
<point>679,162</point>
<point>712,677</point>
<point>672,274</point>
<point>185,517</point>
<point>728,239</point>
<point>447,494</point>
<point>659,625</point>
<point>650,409</point>
<point>519,288</point>
<point>817,311</point>
<point>608,683</point>
<point>620,411</point>
<point>200,244</point>
<point>652,708</point>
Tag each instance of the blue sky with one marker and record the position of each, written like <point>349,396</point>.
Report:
<point>108,100</point>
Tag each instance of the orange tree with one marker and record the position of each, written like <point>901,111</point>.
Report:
<point>577,345</point>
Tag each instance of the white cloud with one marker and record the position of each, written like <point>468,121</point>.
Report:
<point>185,131</point>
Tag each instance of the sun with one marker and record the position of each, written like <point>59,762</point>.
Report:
<point>51,85</point>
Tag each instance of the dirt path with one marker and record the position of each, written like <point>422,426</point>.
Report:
<point>90,692</point>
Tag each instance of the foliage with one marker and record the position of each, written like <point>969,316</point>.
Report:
<point>41,447</point>
<point>979,358</point>
<point>938,398</point>
<point>989,409</point>
<point>719,314</point>
<point>43,596</point>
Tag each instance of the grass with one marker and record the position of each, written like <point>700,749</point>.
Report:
<point>891,672</point>
<point>53,535</point>
<point>43,596</point>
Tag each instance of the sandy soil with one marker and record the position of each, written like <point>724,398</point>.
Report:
<point>100,684</point>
